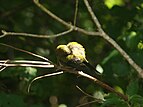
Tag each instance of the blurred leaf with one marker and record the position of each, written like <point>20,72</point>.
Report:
<point>111,3</point>
<point>42,52</point>
<point>10,100</point>
<point>136,101</point>
<point>140,45</point>
<point>62,105</point>
<point>99,95</point>
<point>88,25</point>
<point>112,54</point>
<point>99,68</point>
<point>132,40</point>
<point>29,73</point>
<point>114,101</point>
<point>119,89</point>
<point>132,88</point>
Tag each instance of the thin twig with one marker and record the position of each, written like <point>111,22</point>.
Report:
<point>75,14</point>
<point>112,42</point>
<point>84,104</point>
<point>41,57</point>
<point>5,33</point>
<point>2,68</point>
<point>43,76</point>
<point>25,61</point>
<point>84,92</point>
<point>13,63</point>
<point>88,95</point>
<point>28,65</point>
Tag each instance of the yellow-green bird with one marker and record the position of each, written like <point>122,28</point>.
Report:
<point>73,55</point>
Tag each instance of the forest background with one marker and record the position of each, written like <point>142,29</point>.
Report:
<point>121,20</point>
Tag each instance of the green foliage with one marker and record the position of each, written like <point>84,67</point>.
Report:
<point>132,88</point>
<point>121,19</point>
<point>136,101</point>
<point>114,101</point>
<point>111,3</point>
<point>140,45</point>
<point>11,100</point>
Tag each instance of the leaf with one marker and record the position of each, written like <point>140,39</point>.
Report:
<point>29,73</point>
<point>136,101</point>
<point>111,3</point>
<point>112,54</point>
<point>119,89</point>
<point>140,45</point>
<point>132,88</point>
<point>114,101</point>
<point>99,95</point>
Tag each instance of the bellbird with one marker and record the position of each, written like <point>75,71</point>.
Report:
<point>73,55</point>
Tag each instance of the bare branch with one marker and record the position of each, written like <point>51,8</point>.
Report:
<point>41,57</point>
<point>84,92</point>
<point>88,95</point>
<point>100,83</point>
<point>100,33</point>
<point>112,42</point>
<point>24,61</point>
<point>34,35</point>
<point>124,54</point>
<point>68,25</point>
<point>2,68</point>
<point>28,65</point>
<point>75,14</point>
<point>43,76</point>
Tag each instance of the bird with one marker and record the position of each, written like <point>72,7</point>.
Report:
<point>62,52</point>
<point>73,55</point>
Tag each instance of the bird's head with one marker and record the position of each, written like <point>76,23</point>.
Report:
<point>63,50</point>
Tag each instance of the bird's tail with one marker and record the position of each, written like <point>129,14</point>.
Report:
<point>92,68</point>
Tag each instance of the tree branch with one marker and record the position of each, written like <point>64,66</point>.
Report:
<point>28,65</point>
<point>1,67</point>
<point>71,27</point>
<point>94,18</point>
<point>33,54</point>
<point>100,83</point>
<point>75,13</point>
<point>43,76</point>
<point>112,42</point>
<point>68,25</point>
<point>101,33</point>
<point>25,63</point>
<point>5,33</point>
